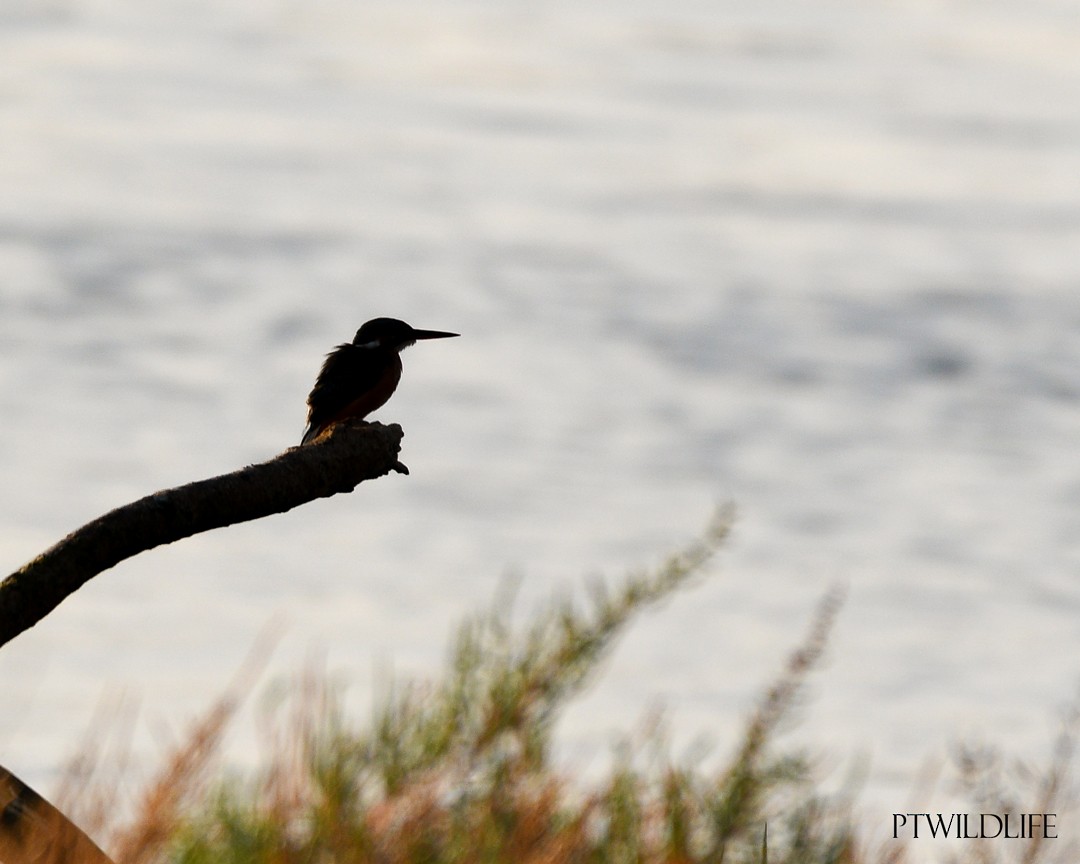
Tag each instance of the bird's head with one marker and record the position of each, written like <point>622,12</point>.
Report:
<point>393,334</point>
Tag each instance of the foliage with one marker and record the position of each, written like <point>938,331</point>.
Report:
<point>460,771</point>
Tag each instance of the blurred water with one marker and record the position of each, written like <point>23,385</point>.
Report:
<point>819,261</point>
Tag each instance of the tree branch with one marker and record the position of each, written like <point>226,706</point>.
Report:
<point>349,454</point>
<point>32,830</point>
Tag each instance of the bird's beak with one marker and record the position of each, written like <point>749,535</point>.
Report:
<point>432,334</point>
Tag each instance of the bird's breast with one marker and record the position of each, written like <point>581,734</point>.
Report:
<point>375,396</point>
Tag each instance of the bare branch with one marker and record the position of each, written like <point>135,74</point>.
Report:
<point>349,454</point>
<point>33,831</point>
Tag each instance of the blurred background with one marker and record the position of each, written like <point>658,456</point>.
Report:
<point>821,260</point>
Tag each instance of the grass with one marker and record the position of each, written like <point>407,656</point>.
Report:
<point>460,770</point>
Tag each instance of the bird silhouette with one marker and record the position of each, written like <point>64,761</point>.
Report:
<point>358,377</point>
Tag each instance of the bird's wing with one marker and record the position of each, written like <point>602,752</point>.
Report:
<point>348,370</point>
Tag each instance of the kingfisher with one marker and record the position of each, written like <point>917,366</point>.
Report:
<point>360,376</point>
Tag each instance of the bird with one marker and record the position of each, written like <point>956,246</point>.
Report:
<point>358,377</point>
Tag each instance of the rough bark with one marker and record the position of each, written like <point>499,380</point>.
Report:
<point>344,457</point>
